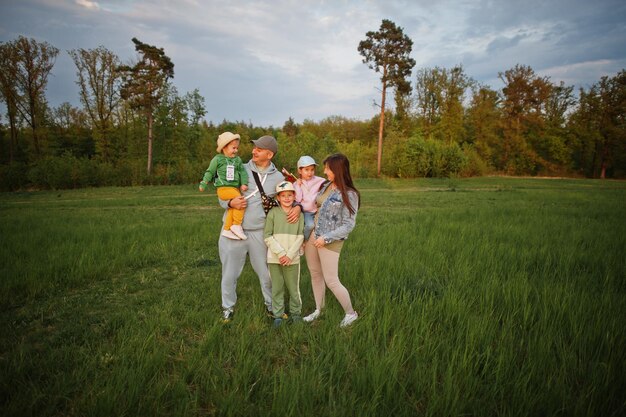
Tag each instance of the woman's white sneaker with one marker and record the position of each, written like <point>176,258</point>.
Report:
<point>311,316</point>
<point>348,319</point>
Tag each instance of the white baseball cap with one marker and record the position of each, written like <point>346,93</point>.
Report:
<point>306,161</point>
<point>284,186</point>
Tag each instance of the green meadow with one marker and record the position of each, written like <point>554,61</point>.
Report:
<point>477,297</point>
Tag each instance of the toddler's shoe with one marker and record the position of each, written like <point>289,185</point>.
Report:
<point>229,234</point>
<point>238,231</point>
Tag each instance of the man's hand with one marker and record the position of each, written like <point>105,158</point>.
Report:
<point>238,203</point>
<point>294,214</point>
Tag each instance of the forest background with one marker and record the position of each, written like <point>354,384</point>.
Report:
<point>135,128</point>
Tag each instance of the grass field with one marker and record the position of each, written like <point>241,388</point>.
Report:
<point>483,297</point>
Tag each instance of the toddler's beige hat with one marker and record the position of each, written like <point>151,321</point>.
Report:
<point>226,138</point>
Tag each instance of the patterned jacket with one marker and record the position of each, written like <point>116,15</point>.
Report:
<point>334,221</point>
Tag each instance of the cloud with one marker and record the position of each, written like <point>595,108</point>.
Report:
<point>92,5</point>
<point>583,74</point>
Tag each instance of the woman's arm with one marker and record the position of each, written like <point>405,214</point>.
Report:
<point>348,221</point>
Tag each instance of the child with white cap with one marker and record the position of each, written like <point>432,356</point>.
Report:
<point>307,186</point>
<point>283,240</point>
<point>230,178</point>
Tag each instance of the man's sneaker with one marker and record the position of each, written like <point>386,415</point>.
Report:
<point>229,234</point>
<point>312,316</point>
<point>227,315</point>
<point>268,313</point>
<point>238,231</point>
<point>348,319</point>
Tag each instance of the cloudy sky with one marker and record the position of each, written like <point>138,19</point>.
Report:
<point>265,61</point>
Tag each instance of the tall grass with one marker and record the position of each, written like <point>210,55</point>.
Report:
<point>490,296</point>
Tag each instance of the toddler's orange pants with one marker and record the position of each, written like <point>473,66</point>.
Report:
<point>233,216</point>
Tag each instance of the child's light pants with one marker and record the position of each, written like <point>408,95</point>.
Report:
<point>285,276</point>
<point>233,216</point>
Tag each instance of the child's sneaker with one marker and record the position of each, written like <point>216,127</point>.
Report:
<point>312,316</point>
<point>278,322</point>
<point>295,319</point>
<point>229,234</point>
<point>238,231</point>
<point>348,319</point>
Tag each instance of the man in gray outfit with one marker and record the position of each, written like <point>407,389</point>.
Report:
<point>233,252</point>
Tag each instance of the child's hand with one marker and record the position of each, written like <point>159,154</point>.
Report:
<point>243,188</point>
<point>284,260</point>
<point>299,181</point>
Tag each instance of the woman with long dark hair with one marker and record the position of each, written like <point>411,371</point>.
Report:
<point>338,203</point>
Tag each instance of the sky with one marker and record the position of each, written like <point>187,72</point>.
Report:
<point>262,62</point>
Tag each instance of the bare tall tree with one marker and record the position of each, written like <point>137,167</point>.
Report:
<point>387,51</point>
<point>99,82</point>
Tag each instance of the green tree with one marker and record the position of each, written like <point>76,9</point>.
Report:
<point>456,86</point>
<point>98,80</point>
<point>525,97</point>
<point>483,122</point>
<point>143,85</point>
<point>599,124</point>
<point>71,132</point>
<point>8,91</point>
<point>387,51</point>
<point>194,104</point>
<point>170,127</point>
<point>554,146</point>
<point>290,128</point>
<point>195,110</point>
<point>429,85</point>
<point>439,98</point>
<point>29,63</point>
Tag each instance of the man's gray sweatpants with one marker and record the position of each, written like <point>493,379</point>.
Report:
<point>233,257</point>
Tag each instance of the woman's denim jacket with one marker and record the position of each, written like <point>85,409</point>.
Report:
<point>334,221</point>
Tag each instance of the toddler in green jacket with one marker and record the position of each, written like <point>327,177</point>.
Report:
<point>230,178</point>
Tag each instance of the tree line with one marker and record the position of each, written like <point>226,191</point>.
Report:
<point>133,127</point>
